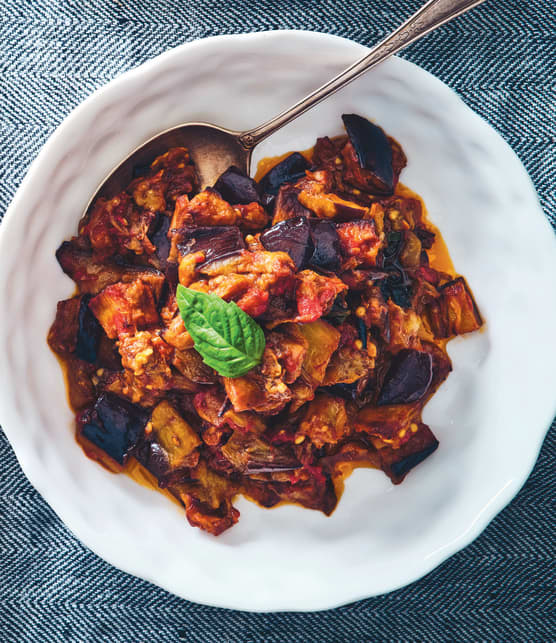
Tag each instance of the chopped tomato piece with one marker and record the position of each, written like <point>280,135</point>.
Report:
<point>118,225</point>
<point>125,308</point>
<point>315,294</point>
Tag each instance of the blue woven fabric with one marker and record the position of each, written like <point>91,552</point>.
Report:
<point>501,61</point>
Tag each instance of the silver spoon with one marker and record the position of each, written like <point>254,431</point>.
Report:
<point>213,149</point>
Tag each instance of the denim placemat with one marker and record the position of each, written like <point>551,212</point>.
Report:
<point>501,61</point>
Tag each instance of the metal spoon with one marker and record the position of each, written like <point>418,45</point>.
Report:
<point>213,149</point>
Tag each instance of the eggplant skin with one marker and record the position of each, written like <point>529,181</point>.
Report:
<point>92,276</point>
<point>310,243</point>
<point>216,242</point>
<point>89,332</point>
<point>287,205</point>
<point>347,391</point>
<point>292,236</point>
<point>401,468</point>
<point>326,243</point>
<point>237,188</point>
<point>408,378</point>
<point>372,148</point>
<point>159,238</point>
<point>250,455</point>
<point>289,170</point>
<point>115,426</point>
<point>154,458</point>
<point>426,237</point>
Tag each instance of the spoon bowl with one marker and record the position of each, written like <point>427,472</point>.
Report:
<point>213,149</point>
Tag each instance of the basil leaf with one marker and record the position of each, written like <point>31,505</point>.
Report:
<point>228,339</point>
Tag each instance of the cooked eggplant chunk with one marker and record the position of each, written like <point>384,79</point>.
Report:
<point>326,244</point>
<point>407,379</point>
<point>350,391</point>
<point>210,519</point>
<point>92,275</point>
<point>373,151</point>
<point>287,204</point>
<point>401,468</point>
<point>115,426</point>
<point>455,311</point>
<point>327,205</point>
<point>89,332</point>
<point>316,492</point>
<point>346,286</point>
<point>62,336</point>
<point>389,424</point>
<point>309,242</point>
<point>325,420</point>
<point>426,237</point>
<point>75,330</point>
<point>171,443</point>
<point>79,380</point>
<point>262,390</point>
<point>217,242</point>
<point>159,239</point>
<point>397,463</point>
<point>327,151</point>
<point>236,187</point>
<point>287,171</point>
<point>250,454</point>
<point>441,365</point>
<point>347,365</point>
<point>292,236</point>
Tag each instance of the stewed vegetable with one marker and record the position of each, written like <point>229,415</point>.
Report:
<point>260,337</point>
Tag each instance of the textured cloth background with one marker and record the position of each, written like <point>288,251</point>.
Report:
<point>501,60</point>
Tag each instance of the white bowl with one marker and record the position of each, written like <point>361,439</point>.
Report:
<point>490,416</point>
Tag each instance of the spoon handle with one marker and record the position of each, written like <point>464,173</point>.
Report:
<point>430,16</point>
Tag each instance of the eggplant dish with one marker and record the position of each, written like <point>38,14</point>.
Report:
<point>342,299</point>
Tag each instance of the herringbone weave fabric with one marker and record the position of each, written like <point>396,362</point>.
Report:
<point>501,61</point>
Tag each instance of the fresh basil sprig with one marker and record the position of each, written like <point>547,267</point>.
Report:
<point>228,339</point>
